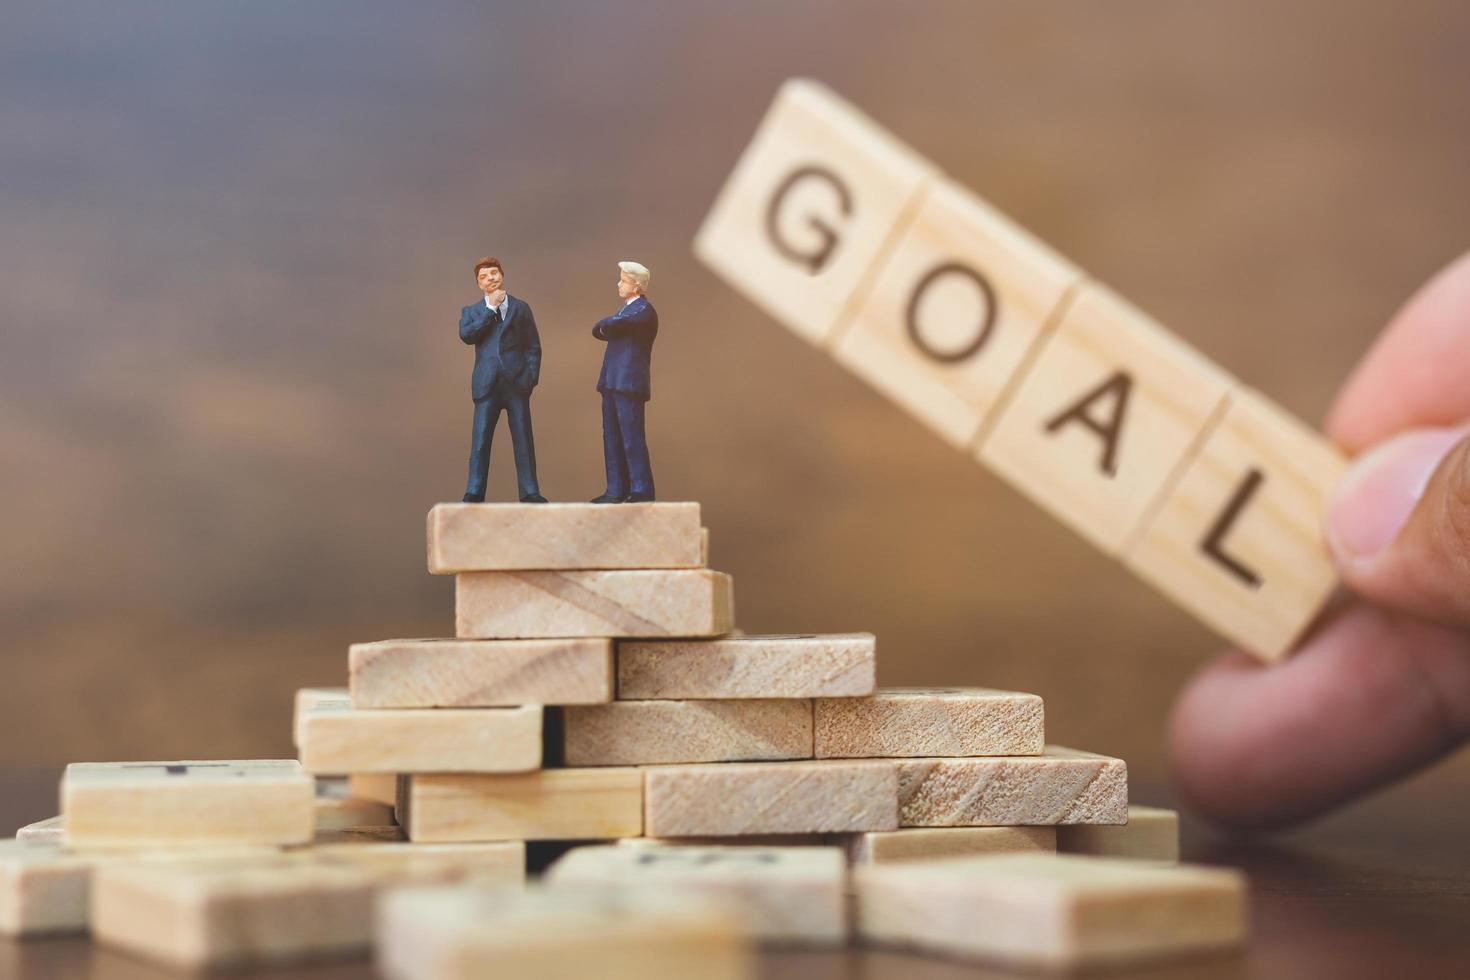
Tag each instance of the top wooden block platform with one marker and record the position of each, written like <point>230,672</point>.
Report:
<point>551,537</point>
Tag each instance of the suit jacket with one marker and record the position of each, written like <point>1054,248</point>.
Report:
<point>626,363</point>
<point>508,352</point>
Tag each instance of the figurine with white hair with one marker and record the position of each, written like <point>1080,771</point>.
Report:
<point>624,383</point>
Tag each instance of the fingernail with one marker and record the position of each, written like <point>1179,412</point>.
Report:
<point>1375,499</point>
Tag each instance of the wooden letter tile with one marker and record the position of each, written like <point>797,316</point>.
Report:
<point>509,605</point>
<point>1104,418</point>
<point>550,804</point>
<point>1239,541</point>
<point>516,537</point>
<point>335,737</point>
<point>1060,786</point>
<point>1151,834</point>
<point>803,666</point>
<point>42,888</point>
<point>627,733</point>
<point>948,321</point>
<point>769,798</point>
<point>910,722</point>
<point>885,846</point>
<point>480,673</point>
<point>48,831</point>
<point>813,203</point>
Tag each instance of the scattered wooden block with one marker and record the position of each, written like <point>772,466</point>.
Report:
<point>517,537</point>
<point>480,673</point>
<point>1239,541</point>
<point>798,666</point>
<point>1061,786</point>
<point>481,862</point>
<point>912,722</point>
<point>811,208</point>
<point>1151,834</point>
<point>627,733</point>
<point>1105,417</point>
<point>129,804</point>
<point>959,303</point>
<point>738,798</point>
<point>306,698</point>
<point>1051,911</point>
<point>48,831</point>
<point>564,931</point>
<point>788,894</point>
<point>550,804</point>
<point>512,605</point>
<point>886,846</point>
<point>335,737</point>
<point>382,787</point>
<point>43,889</point>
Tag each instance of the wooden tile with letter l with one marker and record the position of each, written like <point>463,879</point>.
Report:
<point>480,673</point>
<point>1109,411</point>
<point>516,537</point>
<point>633,733</point>
<point>550,804</point>
<point>1057,787</point>
<point>336,737</point>
<point>1151,834</point>
<point>909,722</point>
<point>511,605</point>
<point>469,933</point>
<point>133,804</point>
<point>788,894</point>
<point>833,665</point>
<point>1239,540</point>
<point>1054,912</point>
<point>813,204</point>
<point>43,889</point>
<point>923,843</point>
<point>950,318</point>
<point>769,798</point>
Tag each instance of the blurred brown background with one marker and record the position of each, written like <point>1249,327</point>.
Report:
<point>236,238</point>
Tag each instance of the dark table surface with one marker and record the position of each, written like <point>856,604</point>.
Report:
<point>1381,890</point>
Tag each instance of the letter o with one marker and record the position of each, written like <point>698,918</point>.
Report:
<point>911,316</point>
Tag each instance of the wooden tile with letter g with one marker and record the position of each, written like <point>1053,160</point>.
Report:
<point>951,315</point>
<point>812,204</point>
<point>1239,541</point>
<point>1110,410</point>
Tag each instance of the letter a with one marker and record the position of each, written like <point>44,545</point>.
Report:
<point>1116,389</point>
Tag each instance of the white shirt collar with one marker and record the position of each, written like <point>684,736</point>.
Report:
<point>503,308</point>
<point>633,300</point>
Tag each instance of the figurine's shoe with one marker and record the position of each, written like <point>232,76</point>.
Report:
<point>607,498</point>
<point>533,498</point>
<point>474,498</point>
<point>637,498</point>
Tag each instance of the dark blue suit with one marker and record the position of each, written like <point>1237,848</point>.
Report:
<point>625,388</point>
<point>507,367</point>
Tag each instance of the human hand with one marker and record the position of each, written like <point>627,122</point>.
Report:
<point>496,295</point>
<point>1382,686</point>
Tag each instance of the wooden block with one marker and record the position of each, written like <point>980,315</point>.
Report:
<point>108,804</point>
<point>1051,911</point>
<point>43,889</point>
<point>351,812</point>
<point>704,546</point>
<point>920,843</point>
<point>749,840</point>
<point>1105,417</point>
<point>1060,786</point>
<point>388,833</point>
<point>335,737</point>
<point>1151,834</point>
<point>379,786</point>
<point>949,320</point>
<point>814,203</point>
<point>795,666</point>
<point>769,798</point>
<point>48,831</point>
<point>480,673</point>
<point>306,697</point>
<point>911,722</point>
<point>1239,540</point>
<point>628,733</point>
<point>788,894</point>
<point>550,804</point>
<point>482,862</point>
<point>565,931</point>
<point>627,603</point>
<point>518,537</point>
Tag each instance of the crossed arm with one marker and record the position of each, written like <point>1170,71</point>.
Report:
<point>623,324</point>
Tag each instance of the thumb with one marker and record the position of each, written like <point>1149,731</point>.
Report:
<point>1399,524</point>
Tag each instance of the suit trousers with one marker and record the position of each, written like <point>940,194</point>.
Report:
<point>517,408</point>
<point>624,447</point>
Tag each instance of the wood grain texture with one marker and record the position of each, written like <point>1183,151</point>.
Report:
<point>516,537</point>
<point>770,798</point>
<point>787,666</point>
<point>1051,911</point>
<point>509,605</point>
<point>335,737</point>
<point>920,843</point>
<point>910,722</point>
<point>787,894</point>
<point>1057,787</point>
<point>550,804</point>
<point>109,804</point>
<point>650,732</point>
<point>447,673</point>
<point>1151,834</point>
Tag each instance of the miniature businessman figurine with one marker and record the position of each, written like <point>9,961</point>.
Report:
<point>507,367</point>
<point>624,384</point>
